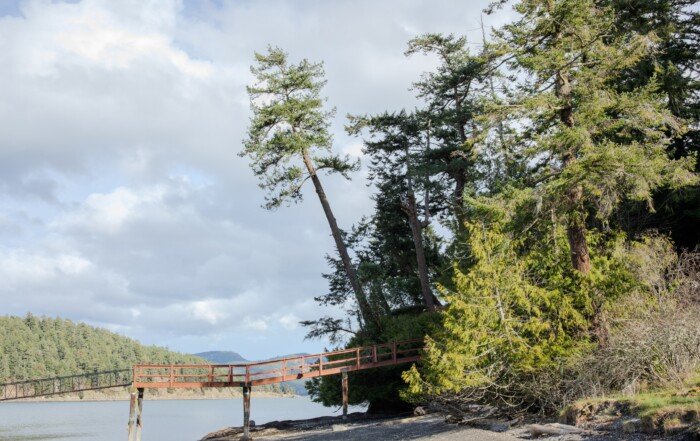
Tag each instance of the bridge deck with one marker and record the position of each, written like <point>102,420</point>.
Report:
<point>276,371</point>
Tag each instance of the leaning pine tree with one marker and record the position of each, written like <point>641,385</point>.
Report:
<point>288,142</point>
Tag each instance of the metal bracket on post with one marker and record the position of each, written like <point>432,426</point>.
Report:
<point>345,394</point>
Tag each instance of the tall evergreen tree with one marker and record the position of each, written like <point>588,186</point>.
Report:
<point>288,143</point>
<point>397,145</point>
<point>451,95</point>
<point>591,145</point>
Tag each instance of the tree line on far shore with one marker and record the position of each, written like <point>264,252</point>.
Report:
<point>34,347</point>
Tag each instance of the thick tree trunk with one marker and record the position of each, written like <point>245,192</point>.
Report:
<point>576,225</point>
<point>580,259</point>
<point>409,207</point>
<point>365,308</point>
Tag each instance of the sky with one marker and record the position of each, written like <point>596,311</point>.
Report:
<point>123,203</point>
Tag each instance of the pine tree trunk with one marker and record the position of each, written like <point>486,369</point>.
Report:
<point>576,234</point>
<point>417,233</point>
<point>576,225</point>
<point>365,308</point>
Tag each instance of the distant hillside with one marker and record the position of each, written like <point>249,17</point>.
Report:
<point>221,357</point>
<point>35,347</point>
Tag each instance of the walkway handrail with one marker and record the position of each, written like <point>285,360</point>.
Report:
<point>42,387</point>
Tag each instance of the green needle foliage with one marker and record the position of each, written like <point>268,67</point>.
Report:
<point>586,145</point>
<point>289,125</point>
<point>590,144</point>
<point>500,326</point>
<point>288,143</point>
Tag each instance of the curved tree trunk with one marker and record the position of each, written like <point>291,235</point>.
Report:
<point>365,308</point>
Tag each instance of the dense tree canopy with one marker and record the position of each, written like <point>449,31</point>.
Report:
<point>529,200</point>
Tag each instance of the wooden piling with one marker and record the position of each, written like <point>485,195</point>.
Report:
<point>139,412</point>
<point>131,429</point>
<point>246,414</point>
<point>345,395</point>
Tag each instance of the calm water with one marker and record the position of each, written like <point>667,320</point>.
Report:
<point>174,420</point>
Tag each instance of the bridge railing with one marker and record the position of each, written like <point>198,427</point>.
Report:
<point>276,371</point>
<point>66,384</point>
<point>309,366</point>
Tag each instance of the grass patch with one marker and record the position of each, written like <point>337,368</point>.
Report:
<point>649,403</point>
<point>664,410</point>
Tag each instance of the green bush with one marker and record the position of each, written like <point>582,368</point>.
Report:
<point>379,388</point>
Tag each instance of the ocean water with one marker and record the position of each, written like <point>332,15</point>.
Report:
<point>172,420</point>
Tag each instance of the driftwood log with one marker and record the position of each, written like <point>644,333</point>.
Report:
<point>554,429</point>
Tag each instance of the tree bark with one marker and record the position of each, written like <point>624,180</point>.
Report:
<point>576,225</point>
<point>409,207</point>
<point>365,308</point>
<point>576,233</point>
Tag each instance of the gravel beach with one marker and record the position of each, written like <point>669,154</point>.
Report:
<point>427,427</point>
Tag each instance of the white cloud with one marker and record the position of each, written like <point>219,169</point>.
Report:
<point>289,321</point>
<point>207,310</point>
<point>107,213</point>
<point>353,149</point>
<point>254,324</point>
<point>19,268</point>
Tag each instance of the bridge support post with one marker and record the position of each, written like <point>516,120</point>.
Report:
<point>246,414</point>
<point>345,394</point>
<point>139,411</point>
<point>135,409</point>
<point>131,429</point>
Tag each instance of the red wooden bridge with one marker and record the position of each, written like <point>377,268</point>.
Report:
<point>265,372</point>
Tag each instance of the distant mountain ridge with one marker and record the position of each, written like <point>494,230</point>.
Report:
<point>221,357</point>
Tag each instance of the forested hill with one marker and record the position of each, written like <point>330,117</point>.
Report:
<point>34,347</point>
<point>221,357</point>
